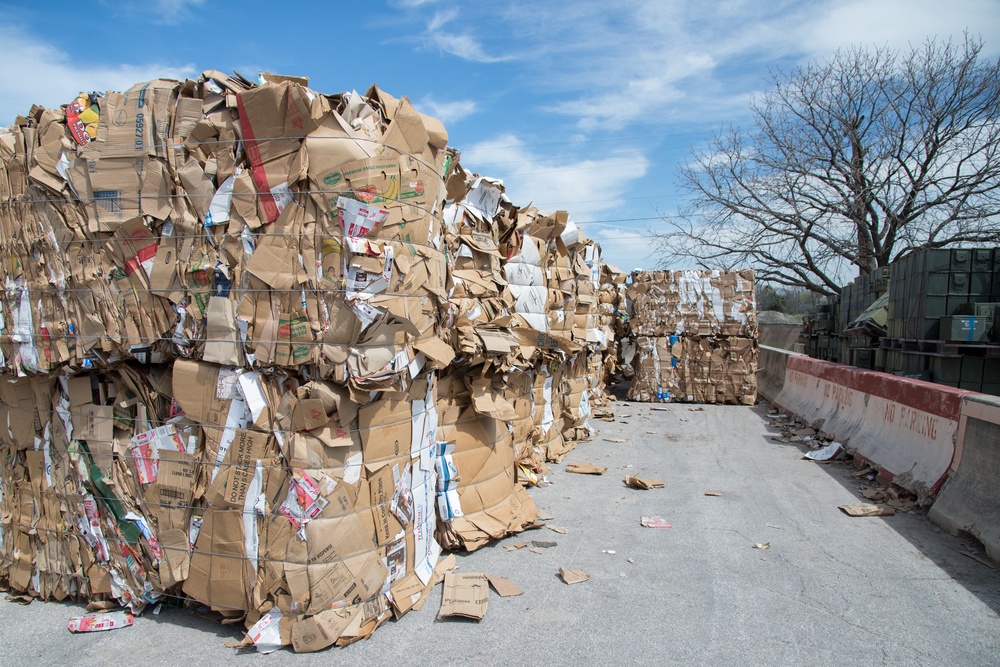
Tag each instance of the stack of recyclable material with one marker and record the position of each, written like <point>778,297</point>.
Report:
<point>523,307</point>
<point>612,321</point>
<point>238,369</point>
<point>695,334</point>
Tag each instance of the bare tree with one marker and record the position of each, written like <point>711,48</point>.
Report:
<point>851,162</point>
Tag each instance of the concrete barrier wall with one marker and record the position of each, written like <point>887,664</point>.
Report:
<point>970,500</point>
<point>771,370</point>
<point>906,428</point>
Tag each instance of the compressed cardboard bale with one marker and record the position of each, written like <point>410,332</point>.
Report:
<point>576,398</point>
<point>292,229</point>
<point>695,370</point>
<point>693,303</point>
<point>481,499</point>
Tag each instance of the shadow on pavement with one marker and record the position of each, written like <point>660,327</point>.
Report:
<point>941,548</point>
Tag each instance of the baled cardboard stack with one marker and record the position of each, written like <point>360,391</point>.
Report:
<point>612,321</point>
<point>695,335</point>
<point>523,306</point>
<point>246,373</point>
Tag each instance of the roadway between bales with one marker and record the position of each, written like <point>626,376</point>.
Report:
<point>829,590</point>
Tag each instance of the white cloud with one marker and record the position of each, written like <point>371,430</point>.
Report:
<point>35,72</point>
<point>172,12</point>
<point>586,188</point>
<point>899,23</point>
<point>652,61</point>
<point>626,248</point>
<point>457,43</point>
<point>447,112</point>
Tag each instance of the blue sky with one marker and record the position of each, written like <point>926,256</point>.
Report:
<point>581,105</point>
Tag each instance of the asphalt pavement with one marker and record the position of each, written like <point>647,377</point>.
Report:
<point>825,589</point>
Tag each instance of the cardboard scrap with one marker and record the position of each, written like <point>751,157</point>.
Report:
<point>465,595</point>
<point>762,545</point>
<point>866,509</point>
<point>101,621</point>
<point>542,515</point>
<point>832,451</point>
<point>504,587</point>
<point>715,494</point>
<point>558,529</point>
<point>586,469</point>
<point>634,482</point>
<point>654,521</point>
<point>618,440</point>
<point>573,576</point>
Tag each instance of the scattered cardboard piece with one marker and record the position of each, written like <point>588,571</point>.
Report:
<point>619,440</point>
<point>762,545</point>
<point>542,515</point>
<point>504,587</point>
<point>535,550</point>
<point>654,521</point>
<point>558,529</point>
<point>100,621</point>
<point>659,409</point>
<point>871,493</point>
<point>867,509</point>
<point>573,576</point>
<point>586,469</point>
<point>716,494</point>
<point>804,432</point>
<point>634,482</point>
<point>833,450</point>
<point>465,595</point>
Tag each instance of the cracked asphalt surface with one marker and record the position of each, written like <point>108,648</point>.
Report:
<point>829,590</point>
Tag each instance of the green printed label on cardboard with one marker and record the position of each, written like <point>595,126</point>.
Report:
<point>412,190</point>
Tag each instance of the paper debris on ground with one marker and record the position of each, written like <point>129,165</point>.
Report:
<point>658,409</point>
<point>558,529</point>
<point>978,559</point>
<point>866,509</point>
<point>832,451</point>
<point>762,545</point>
<point>504,587</point>
<point>573,576</point>
<point>266,633</point>
<point>542,515</point>
<point>634,482</point>
<point>111,620</point>
<point>465,595</point>
<point>713,493</point>
<point>619,440</point>
<point>805,432</point>
<point>654,521</point>
<point>871,493</point>
<point>586,469</point>
<point>610,552</point>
